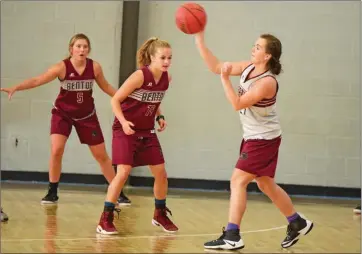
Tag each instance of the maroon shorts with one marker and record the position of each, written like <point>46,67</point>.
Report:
<point>139,149</point>
<point>259,156</point>
<point>89,130</point>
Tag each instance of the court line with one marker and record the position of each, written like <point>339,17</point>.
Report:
<point>109,237</point>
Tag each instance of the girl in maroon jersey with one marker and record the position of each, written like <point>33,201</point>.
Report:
<point>135,143</point>
<point>74,106</point>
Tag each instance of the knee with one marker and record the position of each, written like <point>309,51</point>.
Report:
<point>239,182</point>
<point>101,157</point>
<point>123,171</point>
<point>161,175</point>
<point>57,152</point>
<point>265,186</point>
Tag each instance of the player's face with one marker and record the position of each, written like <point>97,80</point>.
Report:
<point>258,53</point>
<point>162,59</point>
<point>80,49</point>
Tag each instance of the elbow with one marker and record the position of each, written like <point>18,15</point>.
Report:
<point>237,107</point>
<point>113,101</point>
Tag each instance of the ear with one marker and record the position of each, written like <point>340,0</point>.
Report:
<point>152,58</point>
<point>268,56</point>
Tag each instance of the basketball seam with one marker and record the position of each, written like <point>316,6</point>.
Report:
<point>198,21</point>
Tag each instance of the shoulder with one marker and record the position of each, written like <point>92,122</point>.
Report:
<point>138,75</point>
<point>268,85</point>
<point>60,66</point>
<point>97,68</point>
<point>267,81</point>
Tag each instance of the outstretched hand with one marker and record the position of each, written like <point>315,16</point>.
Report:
<point>9,90</point>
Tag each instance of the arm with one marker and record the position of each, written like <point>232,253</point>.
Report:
<point>53,72</point>
<point>263,88</point>
<point>159,117</point>
<point>132,83</point>
<point>101,80</point>
<point>159,112</point>
<point>212,62</point>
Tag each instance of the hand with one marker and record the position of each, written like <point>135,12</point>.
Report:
<point>226,70</point>
<point>126,126</point>
<point>9,90</point>
<point>162,123</point>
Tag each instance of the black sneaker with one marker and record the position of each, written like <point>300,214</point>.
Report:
<point>229,240</point>
<point>50,198</point>
<point>123,200</point>
<point>357,210</point>
<point>4,216</point>
<point>296,228</point>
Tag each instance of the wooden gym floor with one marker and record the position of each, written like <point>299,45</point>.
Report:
<point>70,226</point>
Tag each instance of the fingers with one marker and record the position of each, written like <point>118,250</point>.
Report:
<point>162,126</point>
<point>129,131</point>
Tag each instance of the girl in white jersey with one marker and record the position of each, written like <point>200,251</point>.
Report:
<point>255,103</point>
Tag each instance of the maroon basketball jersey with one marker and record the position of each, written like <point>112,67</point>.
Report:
<point>141,105</point>
<point>75,97</point>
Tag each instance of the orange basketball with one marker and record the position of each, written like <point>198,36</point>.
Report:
<point>191,18</point>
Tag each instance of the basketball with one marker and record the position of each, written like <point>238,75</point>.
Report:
<point>191,18</point>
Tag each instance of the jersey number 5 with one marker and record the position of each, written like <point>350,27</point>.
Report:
<point>80,97</point>
<point>150,109</point>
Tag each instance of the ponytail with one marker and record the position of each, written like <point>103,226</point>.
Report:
<point>148,49</point>
<point>143,53</point>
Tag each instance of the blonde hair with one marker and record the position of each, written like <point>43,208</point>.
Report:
<point>149,49</point>
<point>76,37</point>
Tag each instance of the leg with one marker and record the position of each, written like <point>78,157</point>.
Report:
<point>60,130</point>
<point>160,185</point>
<point>238,184</point>
<point>160,189</point>
<point>99,153</point>
<point>231,239</point>
<point>297,225</point>
<point>58,142</point>
<point>105,225</point>
<point>276,194</point>
<point>118,182</point>
<point>122,200</point>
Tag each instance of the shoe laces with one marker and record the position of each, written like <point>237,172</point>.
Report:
<point>117,210</point>
<point>289,232</point>
<point>109,216</point>
<point>222,236</point>
<point>164,212</point>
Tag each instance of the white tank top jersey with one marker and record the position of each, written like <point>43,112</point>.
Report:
<point>259,121</point>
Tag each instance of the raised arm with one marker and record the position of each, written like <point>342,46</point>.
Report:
<point>101,80</point>
<point>52,73</point>
<point>212,62</point>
